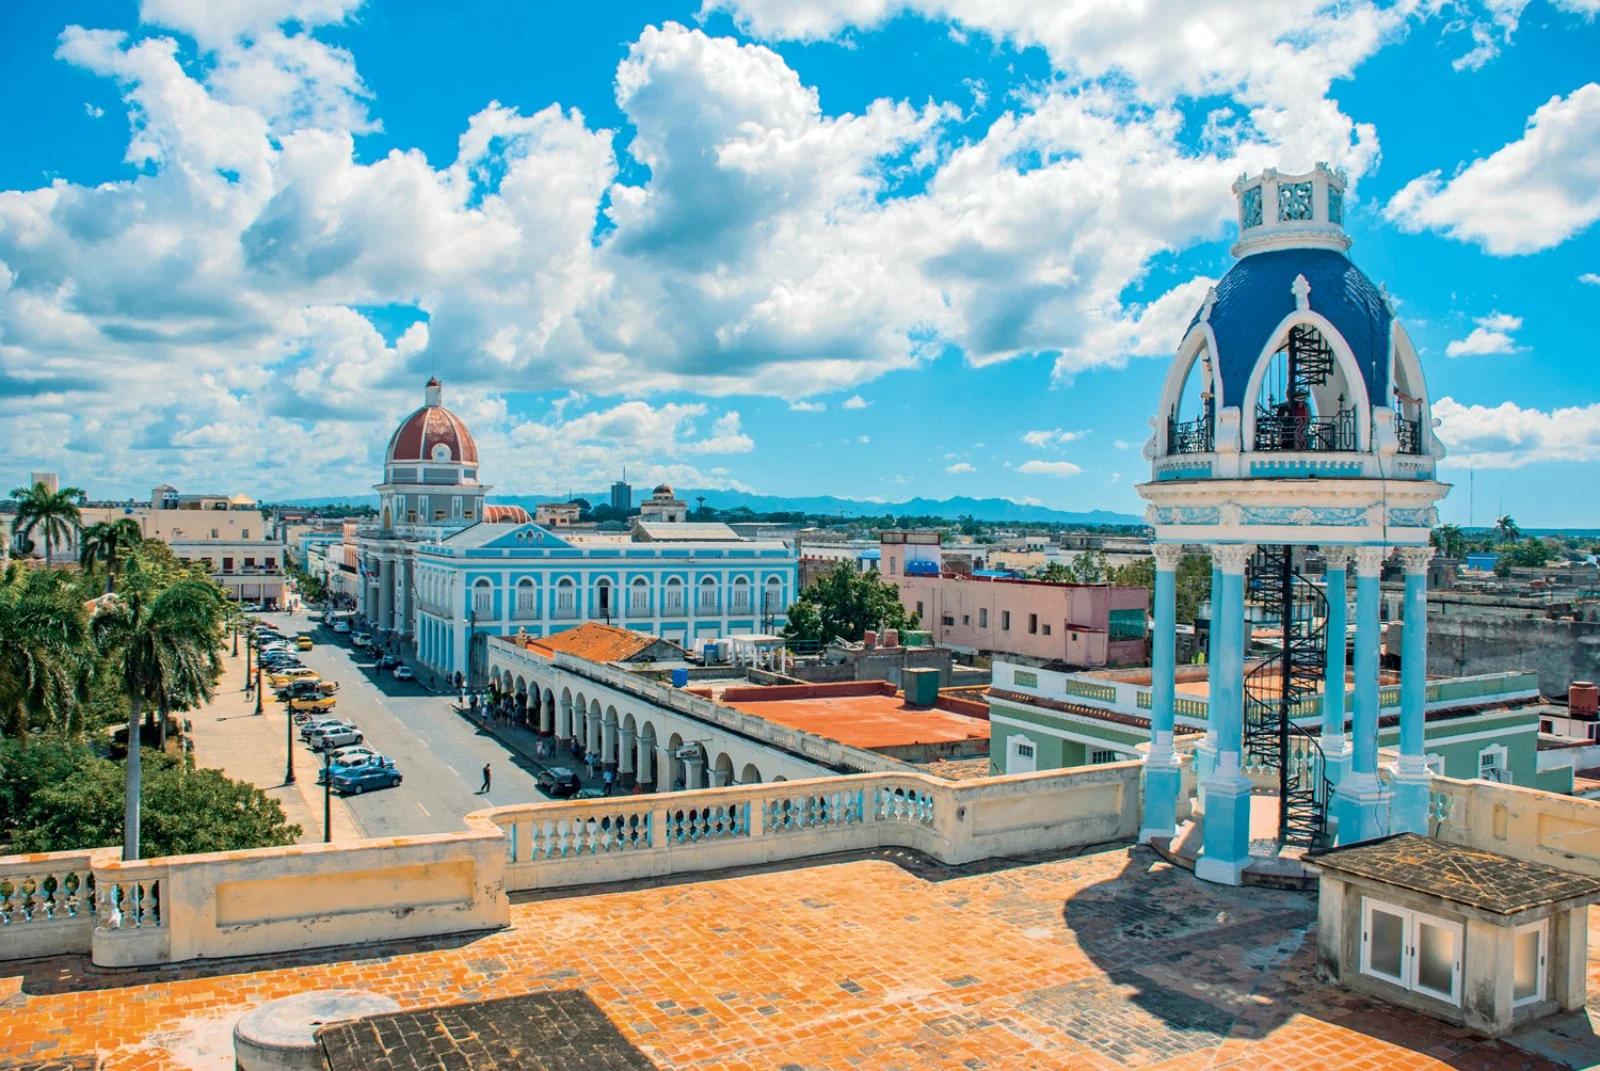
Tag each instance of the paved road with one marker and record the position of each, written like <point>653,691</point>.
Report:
<point>439,753</point>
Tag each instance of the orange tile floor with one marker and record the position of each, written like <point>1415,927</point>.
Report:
<point>1112,960</point>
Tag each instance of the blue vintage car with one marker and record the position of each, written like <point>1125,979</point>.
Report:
<point>357,779</point>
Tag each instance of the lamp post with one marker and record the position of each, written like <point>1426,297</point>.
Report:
<point>327,794</point>
<point>236,637</point>
<point>258,678</point>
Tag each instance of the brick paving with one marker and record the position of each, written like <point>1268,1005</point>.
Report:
<point>1107,961</point>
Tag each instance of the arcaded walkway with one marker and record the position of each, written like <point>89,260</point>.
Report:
<point>1114,960</point>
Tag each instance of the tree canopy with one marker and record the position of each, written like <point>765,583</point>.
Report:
<point>844,604</point>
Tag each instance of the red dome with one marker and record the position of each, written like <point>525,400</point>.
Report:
<point>432,426</point>
<point>505,515</point>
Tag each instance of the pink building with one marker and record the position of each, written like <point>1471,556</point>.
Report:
<point>1087,625</point>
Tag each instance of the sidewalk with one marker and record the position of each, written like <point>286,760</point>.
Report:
<point>228,736</point>
<point>524,742</point>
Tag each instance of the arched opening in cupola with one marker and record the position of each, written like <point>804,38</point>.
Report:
<point>1191,414</point>
<point>1303,400</point>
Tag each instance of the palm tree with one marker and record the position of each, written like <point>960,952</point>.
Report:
<point>43,647</point>
<point>1508,530</point>
<point>105,541</point>
<point>168,643</point>
<point>54,513</point>
<point>1450,540</point>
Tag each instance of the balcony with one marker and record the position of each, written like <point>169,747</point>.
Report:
<point>525,613</point>
<point>1409,432</point>
<point>564,613</point>
<point>1197,436</point>
<point>1281,429</point>
<point>672,608</point>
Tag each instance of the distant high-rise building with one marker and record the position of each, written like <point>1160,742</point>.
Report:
<point>622,495</point>
<point>51,481</point>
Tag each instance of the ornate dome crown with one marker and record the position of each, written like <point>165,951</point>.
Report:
<point>432,434</point>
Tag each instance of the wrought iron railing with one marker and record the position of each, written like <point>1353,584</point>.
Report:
<point>1282,429</point>
<point>1410,434</point>
<point>1197,436</point>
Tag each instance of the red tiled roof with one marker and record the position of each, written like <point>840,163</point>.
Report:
<point>429,426</point>
<point>596,642</point>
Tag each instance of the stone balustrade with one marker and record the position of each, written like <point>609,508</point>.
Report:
<point>628,838</point>
<point>274,900</point>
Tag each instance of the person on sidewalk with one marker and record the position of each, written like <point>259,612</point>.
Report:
<point>608,777</point>
<point>589,758</point>
<point>486,779</point>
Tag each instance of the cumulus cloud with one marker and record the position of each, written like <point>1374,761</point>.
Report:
<point>1534,193</point>
<point>806,407</point>
<point>1590,277</point>
<point>1492,335</point>
<point>959,468</point>
<point>1053,437</point>
<point>855,401</point>
<point>1507,436</point>
<point>1048,468</point>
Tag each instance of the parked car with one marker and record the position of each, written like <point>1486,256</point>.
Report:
<point>301,690</point>
<point>294,673</point>
<point>559,783</point>
<point>353,758</point>
<point>403,673</point>
<point>303,643</point>
<point>341,627</point>
<point>334,737</point>
<point>355,781</point>
<point>318,703</point>
<point>589,794</point>
<point>317,724</point>
<point>360,639</point>
<point>388,661</point>
<point>327,687</point>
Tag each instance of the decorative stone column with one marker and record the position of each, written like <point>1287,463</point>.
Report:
<point>1226,833</point>
<point>385,594</point>
<point>547,715</point>
<point>593,732</point>
<point>1205,752</point>
<point>1408,807</point>
<point>608,742</point>
<point>1358,801</point>
<point>694,772</point>
<point>646,772</point>
<point>1335,748</point>
<point>1162,770</point>
<point>625,753</point>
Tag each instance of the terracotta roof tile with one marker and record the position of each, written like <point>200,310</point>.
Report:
<point>596,642</point>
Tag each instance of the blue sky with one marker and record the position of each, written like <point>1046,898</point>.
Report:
<point>811,246</point>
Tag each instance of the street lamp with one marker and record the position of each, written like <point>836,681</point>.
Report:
<point>258,678</point>
<point>327,794</point>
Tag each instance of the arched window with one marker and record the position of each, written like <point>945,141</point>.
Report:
<point>639,597</point>
<point>482,597</point>
<point>707,603</point>
<point>602,600</point>
<point>1302,401</point>
<point>526,596</point>
<point>774,596</point>
<point>672,597</point>
<point>740,603</point>
<point>566,598</point>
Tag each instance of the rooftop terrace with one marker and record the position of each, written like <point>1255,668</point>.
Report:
<point>1108,960</point>
<point>871,715</point>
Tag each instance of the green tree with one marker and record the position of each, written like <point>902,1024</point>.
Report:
<point>43,649</point>
<point>54,514</point>
<point>79,804</point>
<point>1449,540</point>
<point>106,541</point>
<point>844,604</point>
<point>1532,553</point>
<point>1056,573</point>
<point>1090,567</point>
<point>168,642</point>
<point>1191,584</point>
<point>1507,529</point>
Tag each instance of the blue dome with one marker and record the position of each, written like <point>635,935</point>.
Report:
<point>1257,293</point>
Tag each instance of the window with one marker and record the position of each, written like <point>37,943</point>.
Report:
<point>525,597</point>
<point>672,602</point>
<point>1125,625</point>
<point>244,533</point>
<point>1492,763</point>
<point>966,619</point>
<point>482,597</point>
<point>893,565</point>
<point>983,618</point>
<point>919,612</point>
<point>1005,620</point>
<point>947,620</point>
<point>708,596</point>
<point>1047,630</point>
<point>1097,757</point>
<point>213,533</point>
<point>1528,962</point>
<point>566,598</point>
<point>269,563</point>
<point>1545,724</point>
<point>741,596</point>
<point>227,565</point>
<point>249,563</point>
<point>1411,949</point>
<point>1020,756</point>
<point>1033,624</point>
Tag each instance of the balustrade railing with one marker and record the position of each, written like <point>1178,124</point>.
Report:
<point>56,888</point>
<point>1409,432</point>
<point>1197,436</point>
<point>1280,430</point>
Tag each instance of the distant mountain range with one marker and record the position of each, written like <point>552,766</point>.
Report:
<point>983,509</point>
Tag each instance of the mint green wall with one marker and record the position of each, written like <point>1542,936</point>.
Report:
<point>1558,780</point>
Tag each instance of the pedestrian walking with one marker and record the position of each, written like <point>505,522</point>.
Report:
<point>608,777</point>
<point>589,758</point>
<point>486,779</point>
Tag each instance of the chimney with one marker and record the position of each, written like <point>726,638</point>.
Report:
<point>891,637</point>
<point>1583,698</point>
<point>870,639</point>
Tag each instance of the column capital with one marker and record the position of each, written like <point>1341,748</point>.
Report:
<point>1337,557</point>
<point>1369,560</point>
<point>1415,559</point>
<point>1231,558</point>
<point>1167,556</point>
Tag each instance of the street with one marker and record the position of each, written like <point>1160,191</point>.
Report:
<point>439,753</point>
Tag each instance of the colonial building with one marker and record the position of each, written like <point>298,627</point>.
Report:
<point>446,570</point>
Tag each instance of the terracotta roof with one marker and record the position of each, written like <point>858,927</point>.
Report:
<point>505,515</point>
<point>426,428</point>
<point>596,642</point>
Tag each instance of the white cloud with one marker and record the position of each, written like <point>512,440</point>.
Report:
<point>855,401</point>
<point>1508,436</point>
<point>1053,437</point>
<point>1048,468</point>
<point>92,111</point>
<point>1590,277</point>
<point>1492,335</point>
<point>863,439</point>
<point>959,467</point>
<point>1123,444</point>
<point>806,407</point>
<point>1534,193</point>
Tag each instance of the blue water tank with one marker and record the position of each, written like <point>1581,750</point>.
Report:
<point>680,678</point>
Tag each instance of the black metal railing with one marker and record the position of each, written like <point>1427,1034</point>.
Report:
<point>1410,434</point>
<point>1197,436</point>
<point>1282,428</point>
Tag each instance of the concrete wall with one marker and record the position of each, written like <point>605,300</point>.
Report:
<point>1561,831</point>
<point>1463,642</point>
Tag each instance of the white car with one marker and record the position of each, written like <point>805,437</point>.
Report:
<point>360,639</point>
<point>403,673</point>
<point>317,725</point>
<point>351,755</point>
<point>335,737</point>
<point>342,627</point>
